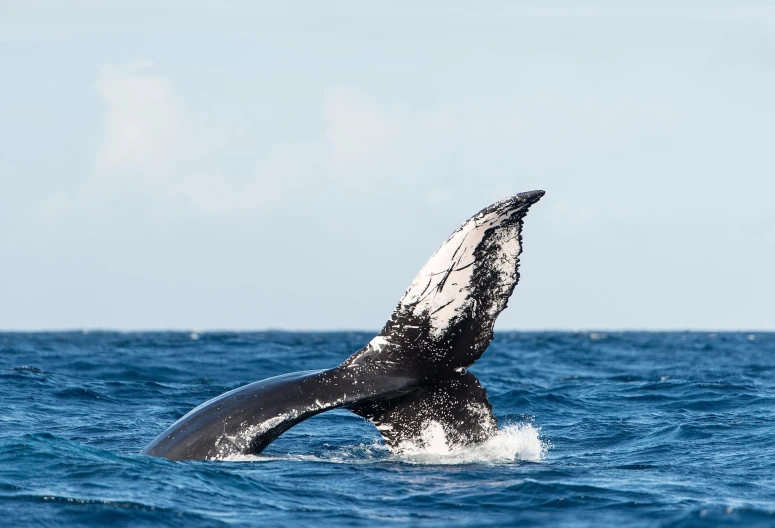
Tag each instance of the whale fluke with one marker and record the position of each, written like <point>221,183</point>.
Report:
<point>458,404</point>
<point>443,324</point>
<point>412,374</point>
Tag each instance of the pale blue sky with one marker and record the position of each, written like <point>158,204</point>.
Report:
<point>257,165</point>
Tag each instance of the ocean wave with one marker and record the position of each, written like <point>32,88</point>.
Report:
<point>619,430</point>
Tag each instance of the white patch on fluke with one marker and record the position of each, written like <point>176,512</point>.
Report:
<point>230,445</point>
<point>378,342</point>
<point>442,287</point>
<point>374,347</point>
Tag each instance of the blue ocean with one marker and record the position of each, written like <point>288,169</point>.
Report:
<point>635,429</point>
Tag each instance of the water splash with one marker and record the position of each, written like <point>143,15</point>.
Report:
<point>513,443</point>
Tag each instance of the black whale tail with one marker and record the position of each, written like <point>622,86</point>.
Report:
<point>441,326</point>
<point>411,375</point>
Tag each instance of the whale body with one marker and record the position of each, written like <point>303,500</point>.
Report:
<point>412,374</point>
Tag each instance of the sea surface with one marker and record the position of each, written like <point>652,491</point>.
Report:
<point>616,429</point>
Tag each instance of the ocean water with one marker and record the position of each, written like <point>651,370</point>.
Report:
<point>636,429</point>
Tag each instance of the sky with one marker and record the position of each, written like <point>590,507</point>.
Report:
<point>292,165</point>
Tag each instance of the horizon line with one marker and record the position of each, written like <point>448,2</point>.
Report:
<point>87,330</point>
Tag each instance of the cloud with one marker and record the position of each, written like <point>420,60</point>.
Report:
<point>144,126</point>
<point>142,115</point>
<point>161,159</point>
<point>138,159</point>
<point>158,156</point>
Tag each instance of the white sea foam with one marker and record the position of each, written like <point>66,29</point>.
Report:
<point>512,443</point>
<point>516,442</point>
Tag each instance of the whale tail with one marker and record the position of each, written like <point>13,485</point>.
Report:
<point>441,326</point>
<point>458,404</point>
<point>411,375</point>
